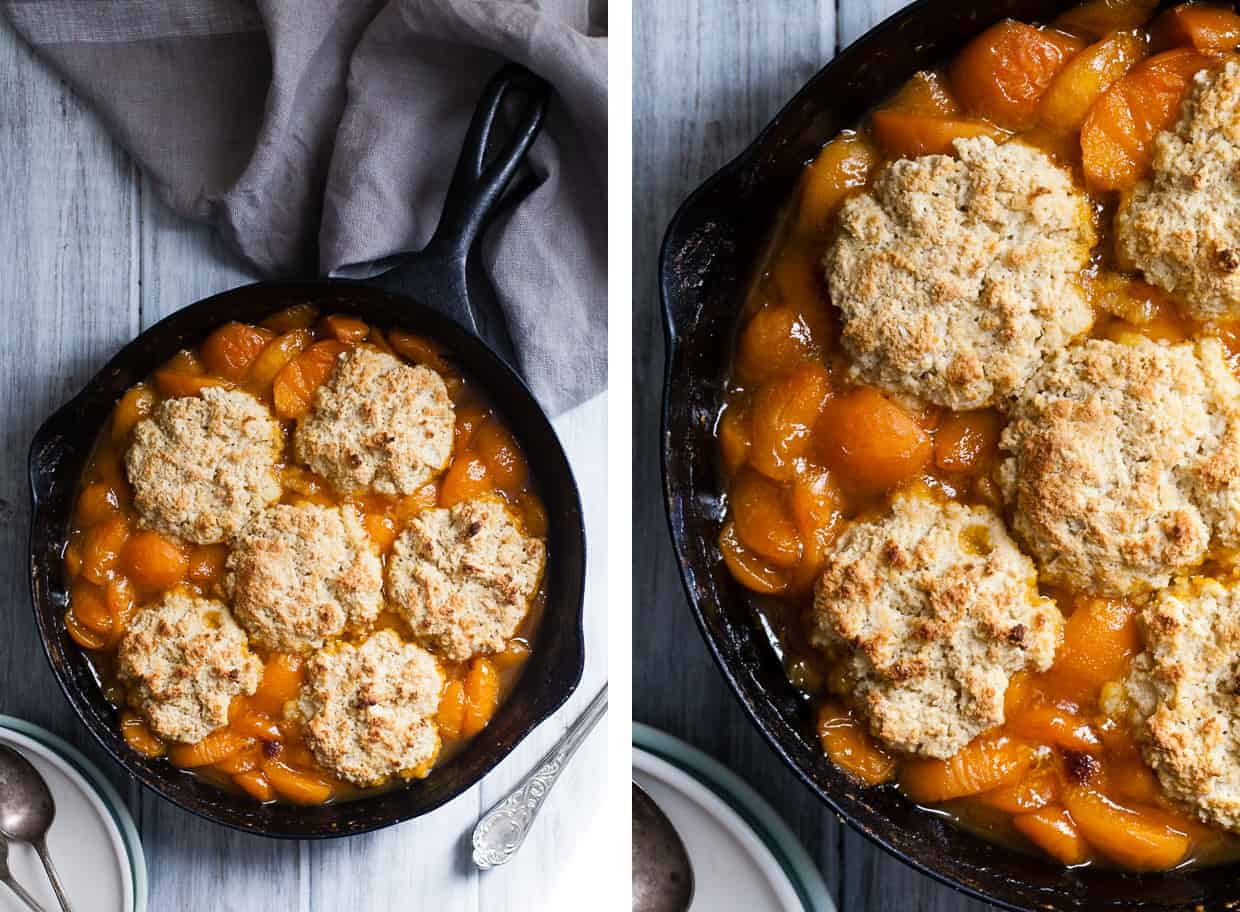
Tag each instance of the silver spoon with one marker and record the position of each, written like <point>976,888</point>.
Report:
<point>6,878</point>
<point>662,873</point>
<point>27,811</point>
<point>502,829</point>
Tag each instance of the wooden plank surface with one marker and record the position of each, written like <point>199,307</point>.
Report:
<point>92,257</point>
<point>708,74</point>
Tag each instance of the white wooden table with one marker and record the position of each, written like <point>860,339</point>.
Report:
<point>708,75</point>
<point>91,258</point>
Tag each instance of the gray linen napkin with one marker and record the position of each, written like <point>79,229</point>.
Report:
<point>319,135</point>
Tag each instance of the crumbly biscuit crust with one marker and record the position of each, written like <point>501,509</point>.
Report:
<point>377,425</point>
<point>931,608</point>
<point>369,710</point>
<point>463,577</point>
<point>202,466</point>
<point>957,276</point>
<point>185,659</point>
<point>1124,463</point>
<point>1181,227</point>
<point>1181,695</point>
<point>297,576</point>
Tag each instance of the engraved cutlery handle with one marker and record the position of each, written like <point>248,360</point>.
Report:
<point>502,829</point>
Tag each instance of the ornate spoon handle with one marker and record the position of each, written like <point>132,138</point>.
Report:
<point>502,829</point>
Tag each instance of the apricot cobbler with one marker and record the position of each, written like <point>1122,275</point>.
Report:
<point>981,443</point>
<point>250,578</point>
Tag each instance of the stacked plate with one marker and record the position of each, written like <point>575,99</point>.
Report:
<point>93,840</point>
<point>743,855</point>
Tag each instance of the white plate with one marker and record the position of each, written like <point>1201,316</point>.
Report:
<point>743,856</point>
<point>89,850</point>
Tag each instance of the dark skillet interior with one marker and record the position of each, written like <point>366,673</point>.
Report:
<point>708,255</point>
<point>58,455</point>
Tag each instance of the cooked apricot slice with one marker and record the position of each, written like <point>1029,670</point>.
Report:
<point>419,350</point>
<point>231,349</point>
<point>747,568</point>
<point>96,503</point>
<point>1062,148</point>
<point>1099,638</point>
<point>499,450</point>
<point>782,419</point>
<point>734,439</point>
<point>481,696</point>
<point>153,561</point>
<point>1137,839</point>
<point>135,405</point>
<point>184,362</point>
<point>1099,17</point>
<point>1196,25</point>
<point>240,762</point>
<point>295,386</point>
<point>967,441</point>
<point>253,724</point>
<point>294,752</point>
<point>213,748</point>
<point>1133,780</point>
<point>121,603</point>
<point>904,135</point>
<point>297,786</point>
<point>345,329</point>
<point>101,548</point>
<point>1086,76</point>
<point>176,385</point>
<point>1002,73</point>
<point>279,352</point>
<point>282,677</point>
<point>1118,133</point>
<point>762,521</point>
<point>816,505</point>
<point>1035,791</point>
<point>843,165</point>
<point>451,717</point>
<point>773,342</point>
<point>465,479</point>
<point>988,762</point>
<point>815,500</point>
<point>139,736</point>
<point>1048,724</point>
<point>851,748</point>
<point>926,92</point>
<point>83,635</point>
<point>73,559</point>
<point>90,607</point>
<point>1052,830</point>
<point>299,316</point>
<point>206,563</point>
<point>107,466</point>
<point>255,784</point>
<point>870,442</point>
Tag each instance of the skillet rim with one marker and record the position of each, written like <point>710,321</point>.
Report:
<point>572,529</point>
<point>676,242</point>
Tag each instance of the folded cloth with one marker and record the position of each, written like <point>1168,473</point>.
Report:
<point>320,136</point>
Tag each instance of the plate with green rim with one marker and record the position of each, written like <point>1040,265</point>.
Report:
<point>93,838</point>
<point>727,826</point>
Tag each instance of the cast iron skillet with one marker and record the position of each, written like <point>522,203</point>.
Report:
<point>442,305</point>
<point>708,257</point>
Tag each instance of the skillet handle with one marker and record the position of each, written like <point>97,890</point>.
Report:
<point>441,275</point>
